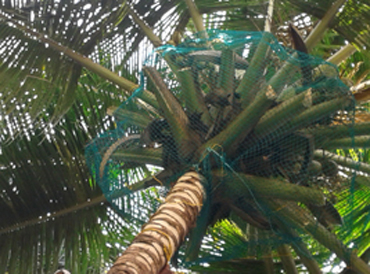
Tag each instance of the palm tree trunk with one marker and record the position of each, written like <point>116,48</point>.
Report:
<point>163,234</point>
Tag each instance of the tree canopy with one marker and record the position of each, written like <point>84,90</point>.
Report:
<point>63,65</point>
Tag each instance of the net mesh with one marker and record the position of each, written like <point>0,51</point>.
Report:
<point>272,129</point>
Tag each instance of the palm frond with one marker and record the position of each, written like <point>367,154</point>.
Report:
<point>46,187</point>
<point>31,71</point>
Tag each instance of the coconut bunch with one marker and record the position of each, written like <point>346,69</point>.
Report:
<point>257,120</point>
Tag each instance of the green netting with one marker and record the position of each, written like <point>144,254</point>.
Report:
<point>271,129</point>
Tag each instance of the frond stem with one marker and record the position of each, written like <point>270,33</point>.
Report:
<point>90,203</point>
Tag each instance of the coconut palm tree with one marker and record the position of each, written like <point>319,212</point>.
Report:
<point>27,30</point>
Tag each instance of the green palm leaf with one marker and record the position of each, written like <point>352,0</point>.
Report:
<point>40,85</point>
